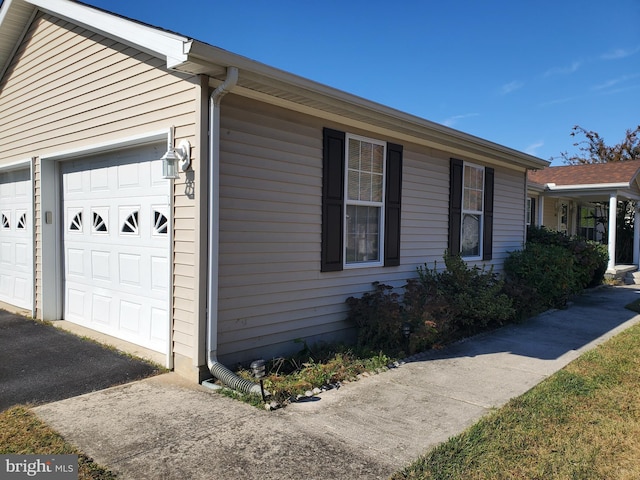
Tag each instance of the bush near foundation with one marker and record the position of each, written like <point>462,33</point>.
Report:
<point>439,306</point>
<point>473,295</point>
<point>548,270</point>
<point>379,317</point>
<point>442,305</point>
<point>590,258</point>
<point>552,267</point>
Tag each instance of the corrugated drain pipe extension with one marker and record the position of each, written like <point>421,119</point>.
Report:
<point>218,370</point>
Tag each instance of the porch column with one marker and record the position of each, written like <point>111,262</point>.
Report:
<point>613,210</point>
<point>636,235</point>
<point>540,211</point>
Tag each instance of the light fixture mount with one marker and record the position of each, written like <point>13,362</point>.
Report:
<point>176,160</point>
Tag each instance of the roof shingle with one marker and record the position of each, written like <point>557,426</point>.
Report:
<point>588,174</point>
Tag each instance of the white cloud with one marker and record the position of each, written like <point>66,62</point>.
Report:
<point>531,149</point>
<point>559,101</point>
<point>566,70</point>
<point>511,87</point>
<point>451,121</point>
<point>619,53</point>
<point>614,81</point>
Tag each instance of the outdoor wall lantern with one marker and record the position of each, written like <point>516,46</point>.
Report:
<point>259,372</point>
<point>176,160</point>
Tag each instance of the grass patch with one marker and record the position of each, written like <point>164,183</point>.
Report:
<point>22,433</point>
<point>581,423</point>
<point>313,367</point>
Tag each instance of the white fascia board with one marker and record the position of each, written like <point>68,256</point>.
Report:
<point>155,41</point>
<point>591,186</point>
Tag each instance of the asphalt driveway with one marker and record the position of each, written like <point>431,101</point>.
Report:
<point>40,363</point>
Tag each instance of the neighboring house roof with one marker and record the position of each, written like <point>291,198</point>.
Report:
<point>588,178</point>
<point>257,80</point>
<point>622,173</point>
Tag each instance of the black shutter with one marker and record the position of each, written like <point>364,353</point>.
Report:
<point>487,240</point>
<point>393,198</point>
<point>455,205</point>
<point>332,200</point>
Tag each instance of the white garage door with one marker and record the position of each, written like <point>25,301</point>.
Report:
<point>16,233</point>
<point>116,245</point>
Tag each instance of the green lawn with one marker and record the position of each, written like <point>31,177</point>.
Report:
<point>21,432</point>
<point>581,423</point>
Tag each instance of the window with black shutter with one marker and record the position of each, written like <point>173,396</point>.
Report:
<point>361,201</point>
<point>471,210</point>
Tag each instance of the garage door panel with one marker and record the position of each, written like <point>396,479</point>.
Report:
<point>117,236</point>
<point>6,257</point>
<point>129,269</point>
<point>75,303</point>
<point>160,274</point>
<point>22,256</point>
<point>16,239</point>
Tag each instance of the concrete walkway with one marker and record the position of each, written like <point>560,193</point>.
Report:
<point>162,428</point>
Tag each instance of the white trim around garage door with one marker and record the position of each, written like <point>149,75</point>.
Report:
<point>52,228</point>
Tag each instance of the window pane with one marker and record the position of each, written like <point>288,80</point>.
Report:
<point>470,235</point>
<point>362,234</point>
<point>587,217</point>
<point>476,200</point>
<point>376,187</point>
<point>354,154</point>
<point>353,185</point>
<point>365,171</point>
<point>473,190</point>
<point>366,157</point>
<point>365,187</point>
<point>378,158</point>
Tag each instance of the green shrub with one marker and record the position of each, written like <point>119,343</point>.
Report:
<point>473,295</point>
<point>379,317</point>
<point>590,258</point>
<point>548,270</point>
<point>430,317</point>
<point>524,298</point>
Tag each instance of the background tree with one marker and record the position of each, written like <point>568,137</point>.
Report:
<point>593,149</point>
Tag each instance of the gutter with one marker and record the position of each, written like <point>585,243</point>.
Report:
<point>216,368</point>
<point>591,186</point>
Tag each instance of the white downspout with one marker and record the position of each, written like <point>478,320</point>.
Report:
<point>217,369</point>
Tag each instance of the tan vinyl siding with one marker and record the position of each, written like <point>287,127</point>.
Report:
<point>508,214</point>
<point>550,215</point>
<point>69,88</point>
<point>425,207</point>
<point>271,290</point>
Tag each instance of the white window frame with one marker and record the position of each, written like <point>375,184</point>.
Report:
<point>480,213</point>
<point>381,205</point>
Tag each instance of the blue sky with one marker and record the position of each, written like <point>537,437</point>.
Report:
<point>518,73</point>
